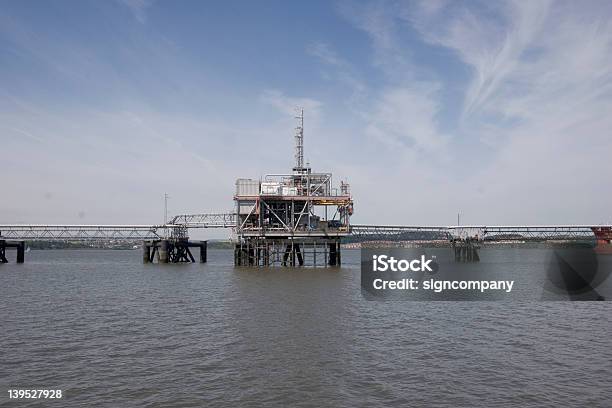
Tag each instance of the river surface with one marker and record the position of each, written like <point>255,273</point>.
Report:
<point>110,331</point>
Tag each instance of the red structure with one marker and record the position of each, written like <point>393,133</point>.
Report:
<point>604,239</point>
<point>603,234</point>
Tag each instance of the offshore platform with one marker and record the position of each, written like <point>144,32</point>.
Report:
<point>292,219</point>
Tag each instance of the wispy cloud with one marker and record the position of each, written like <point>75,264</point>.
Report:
<point>287,105</point>
<point>344,71</point>
<point>20,133</point>
<point>324,52</point>
<point>501,109</point>
<point>534,109</point>
<point>402,113</point>
<point>406,118</point>
<point>138,8</point>
<point>378,20</point>
<point>489,40</point>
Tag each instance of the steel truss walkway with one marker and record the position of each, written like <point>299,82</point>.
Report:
<point>180,224</point>
<point>485,233</point>
<point>206,220</point>
<point>124,233</point>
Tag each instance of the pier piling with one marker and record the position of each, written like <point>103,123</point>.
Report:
<point>18,245</point>
<point>466,250</point>
<point>20,252</point>
<point>203,251</point>
<point>334,254</point>
<point>146,253</point>
<point>173,251</point>
<point>287,251</point>
<point>163,251</point>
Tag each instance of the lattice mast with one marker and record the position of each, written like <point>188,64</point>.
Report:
<point>299,141</point>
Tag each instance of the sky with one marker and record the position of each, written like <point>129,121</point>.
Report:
<point>501,111</point>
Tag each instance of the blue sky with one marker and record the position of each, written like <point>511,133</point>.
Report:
<point>498,109</point>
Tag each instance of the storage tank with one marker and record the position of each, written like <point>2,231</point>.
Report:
<point>270,188</point>
<point>289,191</point>
<point>247,187</point>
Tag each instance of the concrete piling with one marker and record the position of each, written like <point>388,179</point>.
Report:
<point>18,245</point>
<point>172,251</point>
<point>338,254</point>
<point>333,254</point>
<point>465,251</point>
<point>146,253</point>
<point>203,251</point>
<point>20,252</point>
<point>163,251</point>
<point>3,252</point>
<point>287,251</point>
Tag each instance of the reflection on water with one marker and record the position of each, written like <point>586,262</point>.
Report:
<point>108,330</point>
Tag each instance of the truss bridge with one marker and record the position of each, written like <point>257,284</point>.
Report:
<point>481,232</point>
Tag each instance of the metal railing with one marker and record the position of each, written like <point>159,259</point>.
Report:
<point>180,224</point>
<point>206,220</point>
<point>80,232</point>
<point>483,233</point>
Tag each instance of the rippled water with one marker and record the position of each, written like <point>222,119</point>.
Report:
<point>110,331</point>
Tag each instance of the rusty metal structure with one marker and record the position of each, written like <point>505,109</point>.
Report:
<point>298,218</point>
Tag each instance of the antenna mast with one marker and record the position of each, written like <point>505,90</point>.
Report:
<point>299,141</point>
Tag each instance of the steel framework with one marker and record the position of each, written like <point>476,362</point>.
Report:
<point>485,233</point>
<point>276,252</point>
<point>81,232</point>
<point>295,218</point>
<point>205,220</point>
<point>180,224</point>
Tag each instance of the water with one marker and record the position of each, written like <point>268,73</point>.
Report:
<point>110,331</point>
